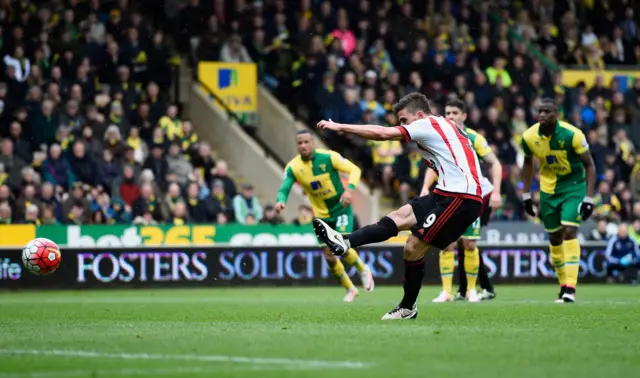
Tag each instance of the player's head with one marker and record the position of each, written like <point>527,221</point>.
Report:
<point>547,112</point>
<point>456,112</point>
<point>411,108</point>
<point>305,142</point>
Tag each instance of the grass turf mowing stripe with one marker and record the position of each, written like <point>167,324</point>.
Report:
<point>307,364</point>
<point>117,372</point>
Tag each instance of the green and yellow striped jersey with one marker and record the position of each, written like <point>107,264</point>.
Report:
<point>561,169</point>
<point>319,177</point>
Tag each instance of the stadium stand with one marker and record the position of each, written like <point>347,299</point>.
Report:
<point>85,94</point>
<point>88,132</point>
<point>351,60</point>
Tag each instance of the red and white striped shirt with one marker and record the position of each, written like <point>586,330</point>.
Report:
<point>449,152</point>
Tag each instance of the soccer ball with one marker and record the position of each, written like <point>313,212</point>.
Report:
<point>41,256</point>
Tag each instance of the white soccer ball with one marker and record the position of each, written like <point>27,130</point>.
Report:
<point>41,256</point>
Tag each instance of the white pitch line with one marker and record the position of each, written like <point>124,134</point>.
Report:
<point>114,372</point>
<point>176,300</point>
<point>309,364</point>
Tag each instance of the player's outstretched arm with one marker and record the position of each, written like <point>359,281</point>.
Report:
<point>285,189</point>
<point>371,132</point>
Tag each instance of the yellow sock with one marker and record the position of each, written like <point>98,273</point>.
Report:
<point>558,262</point>
<point>352,258</point>
<point>572,261</point>
<point>447,263</point>
<point>339,273</point>
<point>471,266</point>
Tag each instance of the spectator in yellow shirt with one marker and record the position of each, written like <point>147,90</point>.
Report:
<point>498,70</point>
<point>171,124</point>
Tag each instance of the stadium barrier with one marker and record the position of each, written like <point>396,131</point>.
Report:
<point>220,266</point>
<point>207,235</point>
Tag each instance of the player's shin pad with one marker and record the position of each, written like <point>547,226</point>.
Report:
<point>339,272</point>
<point>352,258</point>
<point>572,261</point>
<point>447,263</point>
<point>558,262</point>
<point>471,266</point>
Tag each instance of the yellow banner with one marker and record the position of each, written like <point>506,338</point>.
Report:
<point>235,83</point>
<point>16,235</point>
<point>571,78</point>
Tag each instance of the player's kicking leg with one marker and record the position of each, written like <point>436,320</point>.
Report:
<point>442,220</point>
<point>387,227</point>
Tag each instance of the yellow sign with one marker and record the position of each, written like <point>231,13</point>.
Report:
<point>16,235</point>
<point>571,78</point>
<point>235,83</point>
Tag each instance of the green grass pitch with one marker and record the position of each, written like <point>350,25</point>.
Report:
<point>309,332</point>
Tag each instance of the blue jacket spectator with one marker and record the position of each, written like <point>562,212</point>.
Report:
<point>622,252</point>
<point>108,170</point>
<point>56,169</point>
<point>82,165</point>
<point>350,111</point>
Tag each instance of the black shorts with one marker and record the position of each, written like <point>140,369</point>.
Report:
<point>443,219</point>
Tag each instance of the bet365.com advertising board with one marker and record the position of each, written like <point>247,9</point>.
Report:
<point>208,235</point>
<point>270,266</point>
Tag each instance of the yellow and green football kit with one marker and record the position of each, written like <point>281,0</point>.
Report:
<point>319,177</point>
<point>562,175</point>
<point>563,187</point>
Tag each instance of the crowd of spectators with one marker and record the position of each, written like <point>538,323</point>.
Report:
<point>351,60</point>
<point>88,134</point>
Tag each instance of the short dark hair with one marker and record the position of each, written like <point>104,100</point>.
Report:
<point>549,101</point>
<point>304,132</point>
<point>457,103</point>
<point>413,103</point>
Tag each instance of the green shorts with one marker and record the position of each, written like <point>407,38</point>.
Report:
<point>341,221</point>
<point>473,232</point>
<point>561,209</point>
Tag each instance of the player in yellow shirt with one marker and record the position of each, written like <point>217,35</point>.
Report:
<point>568,177</point>
<point>470,266</point>
<point>318,172</point>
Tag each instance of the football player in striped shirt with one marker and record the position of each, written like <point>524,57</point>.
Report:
<point>436,220</point>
